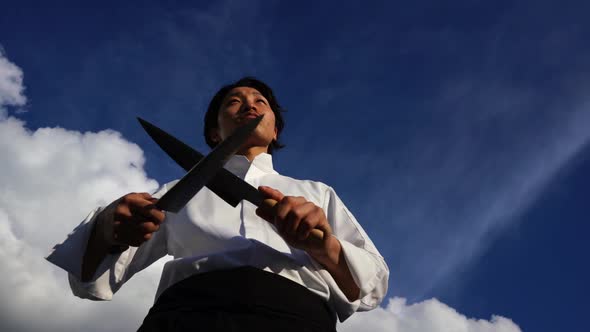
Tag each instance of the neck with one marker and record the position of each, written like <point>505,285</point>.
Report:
<point>252,152</point>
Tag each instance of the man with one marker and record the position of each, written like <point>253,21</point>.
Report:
<point>234,271</point>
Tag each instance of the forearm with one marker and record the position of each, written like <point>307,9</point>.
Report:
<point>331,257</point>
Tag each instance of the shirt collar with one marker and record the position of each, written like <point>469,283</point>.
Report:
<point>239,165</point>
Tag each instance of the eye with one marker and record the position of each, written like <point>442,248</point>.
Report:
<point>260,100</point>
<point>232,101</point>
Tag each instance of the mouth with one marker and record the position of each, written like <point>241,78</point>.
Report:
<point>248,116</point>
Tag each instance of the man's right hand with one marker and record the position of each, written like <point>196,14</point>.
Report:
<point>130,220</point>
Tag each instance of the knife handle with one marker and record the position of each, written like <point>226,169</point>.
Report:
<point>316,237</point>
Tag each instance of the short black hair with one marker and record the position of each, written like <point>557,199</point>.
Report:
<point>251,82</point>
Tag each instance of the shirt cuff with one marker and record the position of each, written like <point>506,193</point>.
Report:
<point>369,272</point>
<point>69,254</point>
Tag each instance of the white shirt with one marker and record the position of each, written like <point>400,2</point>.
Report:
<point>209,234</point>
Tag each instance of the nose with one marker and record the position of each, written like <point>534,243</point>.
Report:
<point>248,105</point>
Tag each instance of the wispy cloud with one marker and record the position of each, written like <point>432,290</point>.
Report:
<point>468,163</point>
<point>497,153</point>
<point>459,131</point>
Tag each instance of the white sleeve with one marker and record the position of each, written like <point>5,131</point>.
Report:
<point>367,266</point>
<point>114,270</point>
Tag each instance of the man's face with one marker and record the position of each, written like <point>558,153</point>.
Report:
<point>239,106</point>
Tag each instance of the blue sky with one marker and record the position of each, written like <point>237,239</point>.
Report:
<point>455,132</point>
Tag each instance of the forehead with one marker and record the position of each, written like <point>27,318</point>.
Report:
<point>243,91</point>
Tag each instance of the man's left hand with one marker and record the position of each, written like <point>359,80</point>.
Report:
<point>295,218</point>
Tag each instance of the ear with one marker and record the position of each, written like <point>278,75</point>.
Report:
<point>275,137</point>
<point>214,135</point>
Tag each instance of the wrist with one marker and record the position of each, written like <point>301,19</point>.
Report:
<point>104,231</point>
<point>329,254</point>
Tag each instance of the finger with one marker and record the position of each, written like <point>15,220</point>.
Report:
<point>305,227</point>
<point>147,209</point>
<point>291,223</point>
<point>271,193</point>
<point>297,215</point>
<point>294,200</point>
<point>132,197</point>
<point>282,209</point>
<point>122,212</point>
<point>145,195</point>
<point>143,223</point>
<point>315,219</point>
<point>148,227</point>
<point>285,205</point>
<point>135,234</point>
<point>285,214</point>
<point>325,227</point>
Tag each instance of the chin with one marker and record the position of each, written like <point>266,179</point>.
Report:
<point>258,142</point>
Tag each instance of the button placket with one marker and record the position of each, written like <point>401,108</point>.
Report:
<point>253,228</point>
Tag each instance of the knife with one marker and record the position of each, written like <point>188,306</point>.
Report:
<point>200,174</point>
<point>224,183</point>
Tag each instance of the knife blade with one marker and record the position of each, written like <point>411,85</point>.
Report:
<point>200,174</point>
<point>224,184</point>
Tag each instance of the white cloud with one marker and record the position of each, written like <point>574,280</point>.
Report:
<point>52,177</point>
<point>430,315</point>
<point>11,84</point>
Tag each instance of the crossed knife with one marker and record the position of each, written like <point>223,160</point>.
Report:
<point>208,171</point>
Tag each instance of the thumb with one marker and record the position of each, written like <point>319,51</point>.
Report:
<point>267,210</point>
<point>271,193</point>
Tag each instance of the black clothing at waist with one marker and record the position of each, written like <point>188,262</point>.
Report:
<point>239,299</point>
